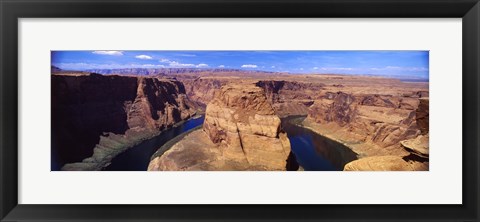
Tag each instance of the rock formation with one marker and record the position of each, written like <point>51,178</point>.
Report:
<point>416,145</point>
<point>379,163</point>
<point>241,132</point>
<point>379,122</point>
<point>422,116</point>
<point>290,97</point>
<point>286,97</point>
<point>96,117</point>
<point>201,90</point>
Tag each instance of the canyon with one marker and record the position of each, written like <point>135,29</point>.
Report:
<point>383,122</point>
<point>96,117</point>
<point>241,132</point>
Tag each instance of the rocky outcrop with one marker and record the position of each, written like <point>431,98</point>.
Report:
<point>416,146</point>
<point>96,117</point>
<point>419,146</point>
<point>241,117</point>
<point>422,115</point>
<point>388,163</point>
<point>243,133</point>
<point>374,123</point>
<point>379,163</point>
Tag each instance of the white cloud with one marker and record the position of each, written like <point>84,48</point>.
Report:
<point>113,53</point>
<point>221,66</point>
<point>315,68</point>
<point>249,66</point>
<point>301,68</point>
<point>273,67</point>
<point>153,65</point>
<point>143,57</point>
<point>177,64</point>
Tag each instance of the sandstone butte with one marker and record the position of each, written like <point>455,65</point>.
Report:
<point>241,132</point>
<point>96,117</point>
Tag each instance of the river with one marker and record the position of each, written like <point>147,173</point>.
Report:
<point>138,157</point>
<point>312,151</point>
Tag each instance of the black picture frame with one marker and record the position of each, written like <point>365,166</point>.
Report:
<point>12,10</point>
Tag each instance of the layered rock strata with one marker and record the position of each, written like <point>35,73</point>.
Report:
<point>291,97</point>
<point>201,90</point>
<point>379,121</point>
<point>287,97</point>
<point>96,117</point>
<point>241,132</point>
<point>415,146</point>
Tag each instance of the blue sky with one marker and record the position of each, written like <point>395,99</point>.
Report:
<point>387,63</point>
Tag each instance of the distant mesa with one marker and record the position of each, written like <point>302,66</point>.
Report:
<point>170,71</point>
<point>55,69</point>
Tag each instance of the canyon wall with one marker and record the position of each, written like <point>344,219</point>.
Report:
<point>378,120</point>
<point>241,132</point>
<point>96,117</point>
<point>290,97</point>
<point>385,130</point>
<point>287,97</point>
<point>201,90</point>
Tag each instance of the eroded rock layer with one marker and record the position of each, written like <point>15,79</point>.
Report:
<point>96,117</point>
<point>241,132</point>
<point>378,121</point>
<point>402,144</point>
<point>291,97</point>
<point>287,97</point>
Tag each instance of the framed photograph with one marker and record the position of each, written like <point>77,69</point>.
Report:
<point>224,110</point>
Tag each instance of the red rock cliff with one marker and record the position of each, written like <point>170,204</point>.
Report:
<point>96,117</point>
